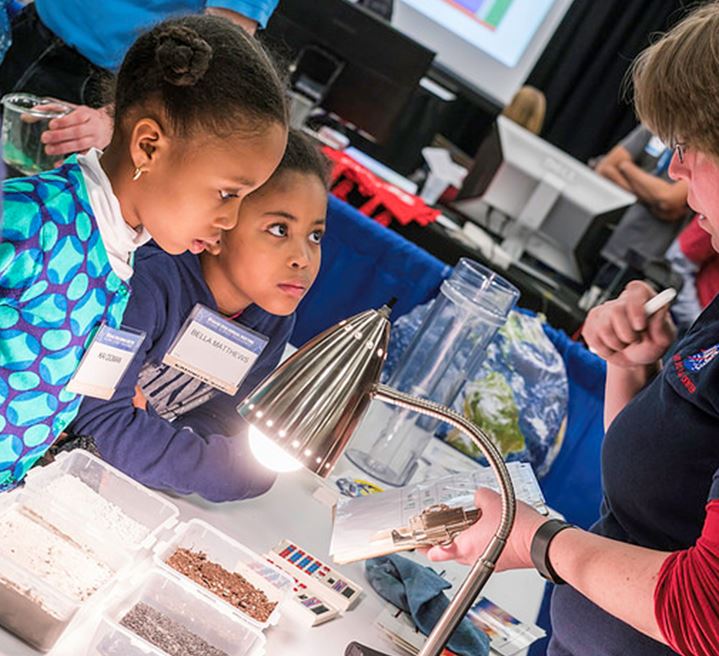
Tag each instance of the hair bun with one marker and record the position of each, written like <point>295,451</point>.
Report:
<point>183,55</point>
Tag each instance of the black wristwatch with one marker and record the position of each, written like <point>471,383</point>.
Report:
<point>540,548</point>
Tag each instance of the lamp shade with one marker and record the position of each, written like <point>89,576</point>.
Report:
<point>311,404</point>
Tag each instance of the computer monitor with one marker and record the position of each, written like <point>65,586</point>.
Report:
<point>380,66</point>
<point>557,209</point>
<point>492,44</point>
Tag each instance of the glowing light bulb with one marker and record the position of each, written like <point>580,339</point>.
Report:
<point>270,454</point>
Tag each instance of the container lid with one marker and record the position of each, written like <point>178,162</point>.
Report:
<point>108,503</point>
<point>27,103</point>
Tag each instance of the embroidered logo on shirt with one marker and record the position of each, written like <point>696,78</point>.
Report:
<point>682,374</point>
<point>700,360</point>
<point>693,364</point>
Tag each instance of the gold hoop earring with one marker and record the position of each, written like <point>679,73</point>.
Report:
<point>138,172</point>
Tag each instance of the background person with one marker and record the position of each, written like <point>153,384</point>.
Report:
<point>640,164</point>
<point>527,108</point>
<point>69,49</point>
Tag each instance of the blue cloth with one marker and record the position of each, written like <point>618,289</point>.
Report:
<point>419,591</point>
<point>104,30</point>
<point>56,288</point>
<point>193,454</point>
<point>364,265</point>
<point>573,485</point>
<point>5,31</point>
<point>659,459</point>
<point>8,9</point>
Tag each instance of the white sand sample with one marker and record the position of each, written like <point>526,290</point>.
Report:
<point>50,556</point>
<point>97,513</point>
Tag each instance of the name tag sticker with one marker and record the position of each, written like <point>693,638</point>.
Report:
<point>105,362</point>
<point>215,350</point>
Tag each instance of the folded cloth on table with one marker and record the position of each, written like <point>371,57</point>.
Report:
<point>419,591</point>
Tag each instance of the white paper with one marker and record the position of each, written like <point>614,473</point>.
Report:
<point>358,520</point>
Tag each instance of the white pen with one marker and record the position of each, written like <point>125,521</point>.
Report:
<point>653,305</point>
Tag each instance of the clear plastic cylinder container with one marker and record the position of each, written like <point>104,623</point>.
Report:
<point>447,349</point>
<point>25,118</point>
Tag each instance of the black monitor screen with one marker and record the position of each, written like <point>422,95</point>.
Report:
<point>381,66</point>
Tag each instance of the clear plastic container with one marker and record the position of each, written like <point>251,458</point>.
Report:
<point>234,557</point>
<point>25,118</point>
<point>181,603</point>
<point>150,514</point>
<point>32,607</point>
<point>447,349</point>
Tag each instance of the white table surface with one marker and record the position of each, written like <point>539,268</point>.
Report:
<point>289,510</point>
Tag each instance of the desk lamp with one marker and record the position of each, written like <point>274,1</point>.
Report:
<point>304,413</point>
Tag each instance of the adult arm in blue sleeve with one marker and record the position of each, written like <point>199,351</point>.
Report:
<point>257,10</point>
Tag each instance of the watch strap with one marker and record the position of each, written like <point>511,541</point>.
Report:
<point>540,548</point>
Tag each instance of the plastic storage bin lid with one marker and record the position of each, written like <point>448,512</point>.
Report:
<point>126,513</point>
<point>33,607</point>
<point>182,604</point>
<point>232,556</point>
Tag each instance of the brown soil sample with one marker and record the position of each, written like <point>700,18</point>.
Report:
<point>228,586</point>
<point>168,635</point>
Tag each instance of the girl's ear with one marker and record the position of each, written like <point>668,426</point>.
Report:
<point>148,143</point>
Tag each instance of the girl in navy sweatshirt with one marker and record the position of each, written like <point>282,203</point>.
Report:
<point>200,123</point>
<point>167,429</point>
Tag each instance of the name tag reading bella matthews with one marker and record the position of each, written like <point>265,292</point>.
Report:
<point>105,362</point>
<point>215,350</point>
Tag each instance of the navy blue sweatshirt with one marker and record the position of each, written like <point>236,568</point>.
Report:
<point>659,457</point>
<point>204,450</point>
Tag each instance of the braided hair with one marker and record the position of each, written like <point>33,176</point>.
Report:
<point>204,74</point>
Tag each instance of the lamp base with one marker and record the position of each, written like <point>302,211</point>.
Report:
<point>356,649</point>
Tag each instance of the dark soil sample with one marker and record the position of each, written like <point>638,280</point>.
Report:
<point>168,635</point>
<point>228,586</point>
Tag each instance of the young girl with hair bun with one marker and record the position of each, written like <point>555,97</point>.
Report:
<point>200,122</point>
<point>173,431</point>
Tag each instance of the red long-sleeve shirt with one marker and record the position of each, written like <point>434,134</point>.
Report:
<point>696,245</point>
<point>686,598</point>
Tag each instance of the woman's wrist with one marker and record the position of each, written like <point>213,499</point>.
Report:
<point>527,524</point>
<point>636,376</point>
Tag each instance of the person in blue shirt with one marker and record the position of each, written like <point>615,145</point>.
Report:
<point>176,432</point>
<point>70,49</point>
<point>200,123</point>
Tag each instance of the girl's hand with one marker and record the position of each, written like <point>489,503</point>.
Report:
<point>620,332</point>
<point>139,400</point>
<point>469,545</point>
<point>83,128</point>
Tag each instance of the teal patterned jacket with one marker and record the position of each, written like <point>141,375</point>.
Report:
<point>56,288</point>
